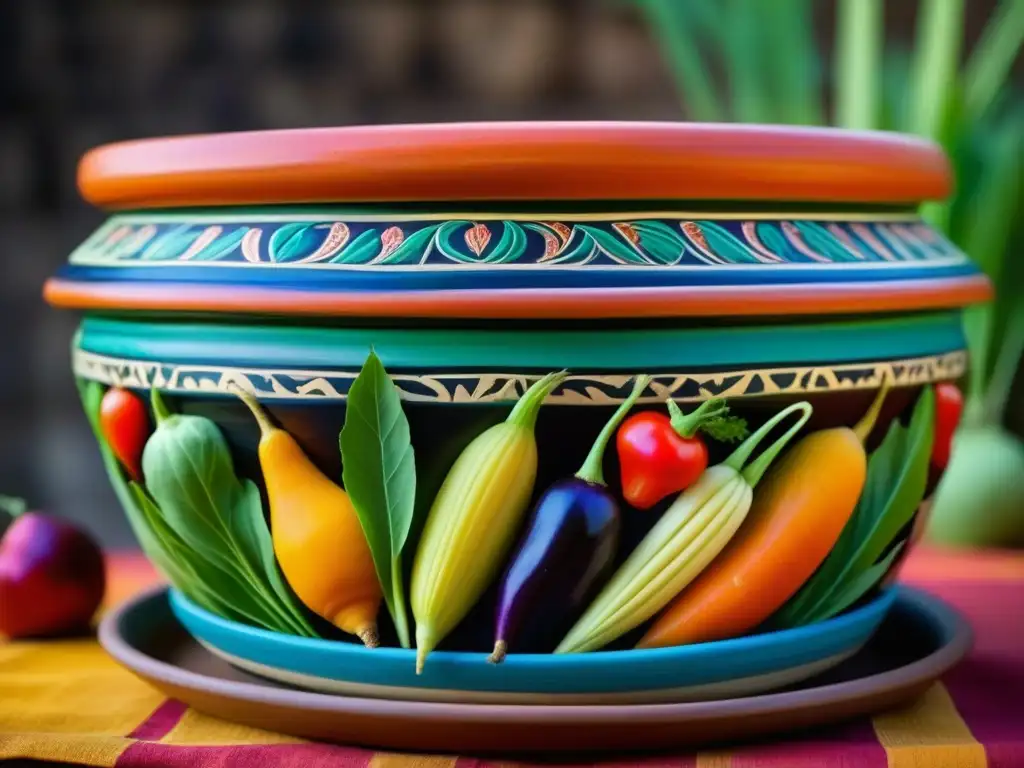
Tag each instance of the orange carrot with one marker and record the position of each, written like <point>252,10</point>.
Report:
<point>799,511</point>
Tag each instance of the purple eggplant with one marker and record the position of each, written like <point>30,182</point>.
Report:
<point>565,556</point>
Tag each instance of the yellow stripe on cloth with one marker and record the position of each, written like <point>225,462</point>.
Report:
<point>386,760</point>
<point>714,760</point>
<point>929,734</point>
<point>196,729</point>
<point>68,701</point>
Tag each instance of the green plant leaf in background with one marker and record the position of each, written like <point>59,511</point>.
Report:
<point>674,24</point>
<point>896,479</point>
<point>936,57</point>
<point>379,475</point>
<point>858,60</point>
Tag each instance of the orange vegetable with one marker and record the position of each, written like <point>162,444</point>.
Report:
<point>799,511</point>
<point>318,539</point>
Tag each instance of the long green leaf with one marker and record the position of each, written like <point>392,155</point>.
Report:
<point>253,536</point>
<point>379,473</point>
<point>937,55</point>
<point>793,61</point>
<point>859,37</point>
<point>857,587</point>
<point>896,479</point>
<point>988,67</point>
<point>742,50</point>
<point>673,28</point>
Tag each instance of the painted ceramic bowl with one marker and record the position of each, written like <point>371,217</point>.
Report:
<point>758,264</point>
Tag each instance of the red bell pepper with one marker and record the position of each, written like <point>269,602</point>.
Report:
<point>662,454</point>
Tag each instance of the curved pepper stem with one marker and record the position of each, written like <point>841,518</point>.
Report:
<point>752,474</point>
<point>524,414</point>
<point>867,422</point>
<point>592,470</point>
<point>160,409</point>
<point>687,424</point>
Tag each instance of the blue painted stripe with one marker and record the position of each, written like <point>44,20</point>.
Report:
<point>652,349</point>
<point>607,671</point>
<point>469,278</point>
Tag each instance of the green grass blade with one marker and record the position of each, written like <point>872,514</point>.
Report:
<point>937,55</point>
<point>673,27</point>
<point>741,47</point>
<point>792,62</point>
<point>989,65</point>
<point>859,39</point>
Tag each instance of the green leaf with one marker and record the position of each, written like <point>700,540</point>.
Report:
<point>989,65</point>
<point>293,241</point>
<point>379,474</point>
<point>857,587</point>
<point>189,574</point>
<point>726,245</point>
<point>614,247</point>
<point>936,56</point>
<point>670,21</point>
<point>223,246</point>
<point>412,249</point>
<point>896,479</point>
<point>743,52</point>
<point>662,242</point>
<point>171,243</point>
<point>190,476</point>
<point>362,249</point>
<point>253,535</point>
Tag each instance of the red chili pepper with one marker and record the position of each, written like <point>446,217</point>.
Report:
<point>661,454</point>
<point>949,406</point>
<point>125,424</point>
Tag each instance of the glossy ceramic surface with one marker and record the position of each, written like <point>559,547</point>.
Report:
<point>719,670</point>
<point>578,263</point>
<point>920,639</point>
<point>516,161</point>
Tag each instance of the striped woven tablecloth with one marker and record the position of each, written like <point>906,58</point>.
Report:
<point>66,701</point>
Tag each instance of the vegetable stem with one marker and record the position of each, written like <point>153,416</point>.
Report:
<point>753,473</point>
<point>525,412</point>
<point>400,613</point>
<point>160,409</point>
<point>867,422</point>
<point>266,427</point>
<point>592,470</point>
<point>687,424</point>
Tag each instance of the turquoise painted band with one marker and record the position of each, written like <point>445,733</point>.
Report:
<point>306,347</point>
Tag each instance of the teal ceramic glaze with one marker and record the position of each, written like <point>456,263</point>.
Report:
<point>723,669</point>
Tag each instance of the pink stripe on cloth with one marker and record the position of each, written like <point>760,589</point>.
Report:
<point>153,755</point>
<point>160,723</point>
<point>840,746</point>
<point>988,686</point>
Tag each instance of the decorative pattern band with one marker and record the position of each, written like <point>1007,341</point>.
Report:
<point>458,243</point>
<point>474,388</point>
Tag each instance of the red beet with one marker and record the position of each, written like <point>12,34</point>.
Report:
<point>51,578</point>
